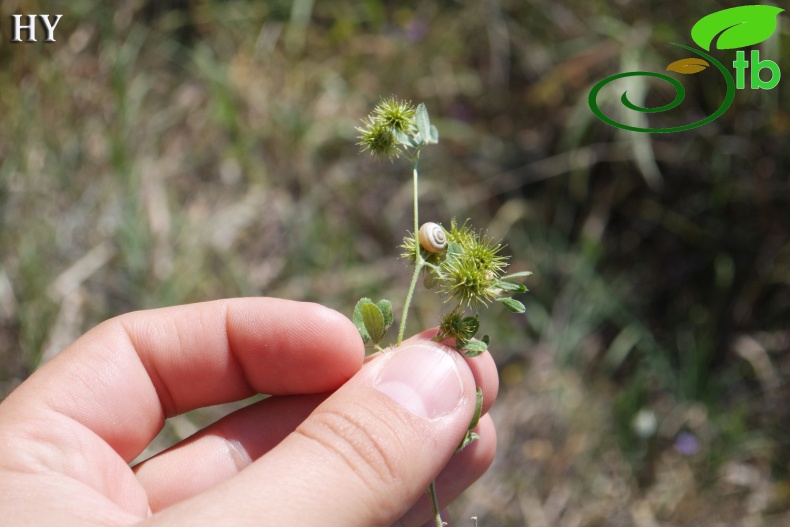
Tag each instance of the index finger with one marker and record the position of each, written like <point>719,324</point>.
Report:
<point>124,377</point>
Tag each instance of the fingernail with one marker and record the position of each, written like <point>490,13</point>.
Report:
<point>423,378</point>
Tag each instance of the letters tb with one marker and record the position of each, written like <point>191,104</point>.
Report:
<point>757,83</point>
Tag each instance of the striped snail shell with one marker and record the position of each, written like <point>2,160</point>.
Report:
<point>432,237</point>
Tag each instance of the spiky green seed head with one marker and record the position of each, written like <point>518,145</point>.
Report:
<point>395,114</point>
<point>377,138</point>
<point>471,275</point>
<point>378,134</point>
<point>457,327</point>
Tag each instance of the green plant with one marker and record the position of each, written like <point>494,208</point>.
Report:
<point>461,264</point>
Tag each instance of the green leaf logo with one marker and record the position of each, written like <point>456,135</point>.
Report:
<point>736,27</point>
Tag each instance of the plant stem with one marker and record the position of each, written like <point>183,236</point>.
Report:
<point>415,180</point>
<point>437,515</point>
<point>419,263</point>
<point>402,328</point>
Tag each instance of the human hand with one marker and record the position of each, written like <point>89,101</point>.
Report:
<point>341,442</point>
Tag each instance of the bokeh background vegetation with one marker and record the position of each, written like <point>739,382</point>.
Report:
<point>177,151</point>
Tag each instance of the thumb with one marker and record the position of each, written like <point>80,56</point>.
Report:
<point>365,455</point>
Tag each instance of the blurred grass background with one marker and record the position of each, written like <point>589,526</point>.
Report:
<point>168,152</point>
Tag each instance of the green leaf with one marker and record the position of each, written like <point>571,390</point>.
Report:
<point>433,137</point>
<point>405,139</point>
<point>737,27</point>
<point>478,409</point>
<point>454,249</point>
<point>374,322</point>
<point>423,122</point>
<point>386,309</point>
<point>429,280</point>
<point>511,286</point>
<point>486,339</point>
<point>516,275</point>
<point>473,348</point>
<point>470,436</point>
<point>359,321</point>
<point>513,305</point>
<point>402,138</point>
<point>469,326</point>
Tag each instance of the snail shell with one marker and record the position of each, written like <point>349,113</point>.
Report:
<point>432,237</point>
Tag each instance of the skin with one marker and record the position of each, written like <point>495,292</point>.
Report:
<point>327,448</point>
